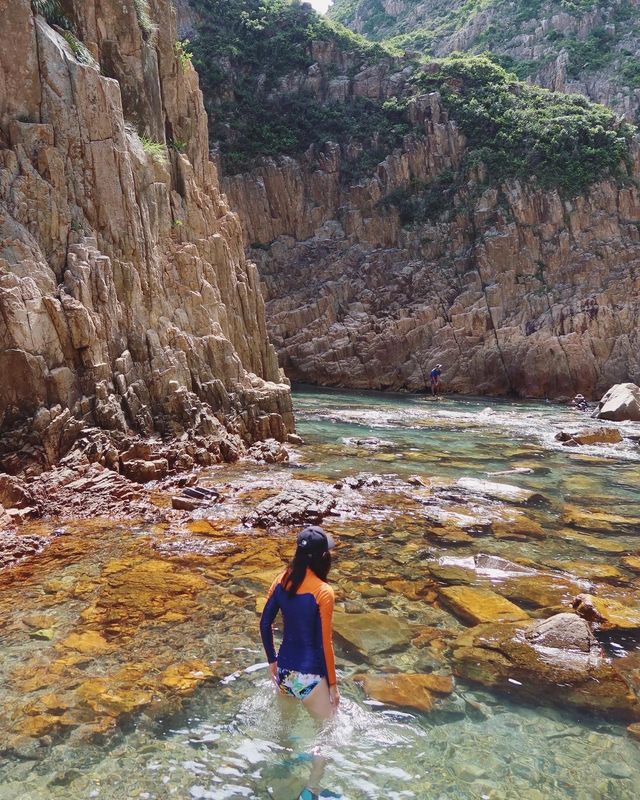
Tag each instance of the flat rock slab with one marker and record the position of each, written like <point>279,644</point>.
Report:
<point>556,662</point>
<point>500,491</point>
<point>632,563</point>
<point>410,690</point>
<point>476,604</point>
<point>370,633</point>
<point>592,519</point>
<point>522,585</point>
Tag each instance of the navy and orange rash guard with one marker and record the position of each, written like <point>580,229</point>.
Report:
<point>307,642</point>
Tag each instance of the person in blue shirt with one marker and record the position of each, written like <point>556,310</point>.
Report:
<point>304,666</point>
<point>434,378</point>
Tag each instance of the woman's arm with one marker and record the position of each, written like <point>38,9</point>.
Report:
<point>269,613</point>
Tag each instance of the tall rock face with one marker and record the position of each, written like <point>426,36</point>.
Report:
<point>126,299</point>
<point>514,289</point>
<point>589,47</point>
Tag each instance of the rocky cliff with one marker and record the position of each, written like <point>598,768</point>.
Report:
<point>514,289</point>
<point>411,212</point>
<point>585,46</point>
<point>126,300</point>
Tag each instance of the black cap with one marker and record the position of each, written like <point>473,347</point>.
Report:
<point>315,540</point>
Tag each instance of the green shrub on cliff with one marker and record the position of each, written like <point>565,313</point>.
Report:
<point>297,121</point>
<point>148,27</point>
<point>244,51</point>
<point>52,11</point>
<point>519,130</point>
<point>264,40</point>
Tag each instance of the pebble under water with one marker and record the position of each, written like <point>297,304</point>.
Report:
<point>132,666</point>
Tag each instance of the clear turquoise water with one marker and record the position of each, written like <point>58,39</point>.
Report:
<point>232,738</point>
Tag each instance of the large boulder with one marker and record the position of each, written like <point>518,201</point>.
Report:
<point>620,403</point>
<point>556,661</point>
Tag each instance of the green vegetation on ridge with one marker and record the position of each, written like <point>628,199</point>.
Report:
<point>606,42</point>
<point>518,130</point>
<point>243,51</point>
<point>254,59</point>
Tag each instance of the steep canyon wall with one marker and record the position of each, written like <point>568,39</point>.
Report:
<point>514,289</point>
<point>126,300</point>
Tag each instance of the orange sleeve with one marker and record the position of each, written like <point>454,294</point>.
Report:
<point>326,602</point>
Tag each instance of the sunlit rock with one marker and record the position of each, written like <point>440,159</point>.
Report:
<point>586,437</point>
<point>606,613</point>
<point>556,661</point>
<point>300,503</point>
<point>474,605</point>
<point>504,492</point>
<point>621,402</point>
<point>406,690</point>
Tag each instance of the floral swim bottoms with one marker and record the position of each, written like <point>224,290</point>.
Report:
<point>297,684</point>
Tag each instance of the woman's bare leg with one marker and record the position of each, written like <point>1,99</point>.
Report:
<point>318,704</point>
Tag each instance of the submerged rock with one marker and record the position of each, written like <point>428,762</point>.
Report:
<point>476,604</point>
<point>370,443</point>
<point>370,633</point>
<point>523,585</point>
<point>632,563</point>
<point>406,690</point>
<point>620,403</point>
<point>557,662</point>
<point>592,519</point>
<point>589,570</point>
<point>599,543</point>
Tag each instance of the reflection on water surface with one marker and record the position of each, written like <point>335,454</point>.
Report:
<point>131,658</point>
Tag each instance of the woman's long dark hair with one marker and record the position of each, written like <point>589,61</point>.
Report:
<point>319,563</point>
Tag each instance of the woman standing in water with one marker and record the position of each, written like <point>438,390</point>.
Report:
<point>304,667</point>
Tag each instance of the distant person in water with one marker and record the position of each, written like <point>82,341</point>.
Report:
<point>579,402</point>
<point>434,378</point>
<point>304,667</point>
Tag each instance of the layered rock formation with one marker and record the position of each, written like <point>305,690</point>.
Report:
<point>126,300</point>
<point>513,289</point>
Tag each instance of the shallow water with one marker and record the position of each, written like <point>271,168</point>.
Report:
<point>131,664</point>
